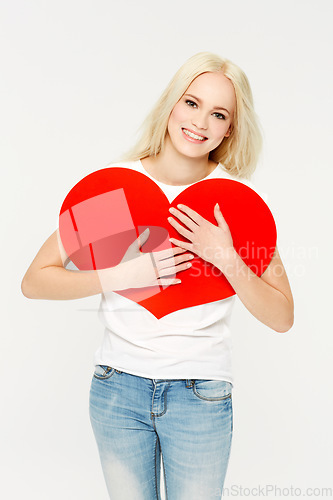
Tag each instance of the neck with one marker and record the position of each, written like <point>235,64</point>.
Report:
<point>170,167</point>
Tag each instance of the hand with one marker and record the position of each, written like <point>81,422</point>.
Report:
<point>208,241</point>
<point>137,269</point>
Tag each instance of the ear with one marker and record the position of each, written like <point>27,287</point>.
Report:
<point>229,131</point>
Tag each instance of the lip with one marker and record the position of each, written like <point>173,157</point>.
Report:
<point>198,141</point>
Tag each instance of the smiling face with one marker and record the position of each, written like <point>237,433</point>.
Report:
<point>205,110</point>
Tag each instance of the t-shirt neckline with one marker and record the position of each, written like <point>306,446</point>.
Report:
<point>170,186</point>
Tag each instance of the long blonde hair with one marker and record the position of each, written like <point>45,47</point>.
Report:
<point>239,152</point>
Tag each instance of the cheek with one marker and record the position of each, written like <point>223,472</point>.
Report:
<point>220,129</point>
<point>178,114</point>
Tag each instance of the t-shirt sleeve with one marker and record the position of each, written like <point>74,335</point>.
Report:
<point>264,196</point>
<point>66,261</point>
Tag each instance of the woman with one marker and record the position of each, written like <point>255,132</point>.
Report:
<point>162,388</point>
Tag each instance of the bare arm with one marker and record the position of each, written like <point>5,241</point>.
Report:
<point>47,278</point>
<point>267,297</point>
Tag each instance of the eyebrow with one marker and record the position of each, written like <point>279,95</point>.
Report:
<point>199,100</point>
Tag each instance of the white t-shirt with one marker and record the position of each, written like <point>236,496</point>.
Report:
<point>191,343</point>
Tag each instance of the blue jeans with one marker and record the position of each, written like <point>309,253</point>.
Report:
<point>137,420</point>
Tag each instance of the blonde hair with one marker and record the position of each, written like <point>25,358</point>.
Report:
<point>240,151</point>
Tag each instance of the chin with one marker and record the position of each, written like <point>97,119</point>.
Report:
<point>190,154</point>
<point>191,151</point>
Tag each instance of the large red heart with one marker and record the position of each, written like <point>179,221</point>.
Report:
<point>108,209</point>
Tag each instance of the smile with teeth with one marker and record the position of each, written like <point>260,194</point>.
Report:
<point>190,134</point>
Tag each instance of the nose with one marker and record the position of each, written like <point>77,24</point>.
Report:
<point>200,121</point>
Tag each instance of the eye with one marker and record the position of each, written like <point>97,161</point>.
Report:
<point>190,103</point>
<point>220,117</point>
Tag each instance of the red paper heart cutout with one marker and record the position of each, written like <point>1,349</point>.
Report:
<point>108,209</point>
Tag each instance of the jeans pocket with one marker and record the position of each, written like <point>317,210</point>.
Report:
<point>212,390</point>
<point>103,372</point>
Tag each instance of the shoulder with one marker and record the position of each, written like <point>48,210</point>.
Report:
<point>128,164</point>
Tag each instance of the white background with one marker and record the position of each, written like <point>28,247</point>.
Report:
<point>77,80</point>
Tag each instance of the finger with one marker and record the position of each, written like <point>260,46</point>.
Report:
<point>142,238</point>
<point>139,241</point>
<point>191,213</point>
<point>182,244</point>
<point>175,269</point>
<point>169,252</point>
<point>166,281</point>
<point>183,218</point>
<point>219,217</point>
<point>184,232</point>
<point>172,261</point>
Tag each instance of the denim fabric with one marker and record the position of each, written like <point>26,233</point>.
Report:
<point>138,421</point>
